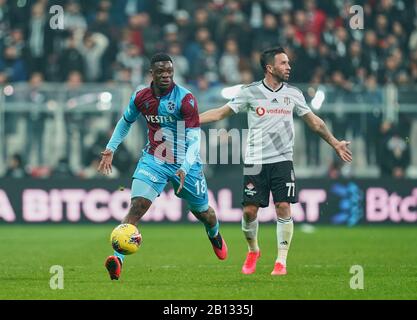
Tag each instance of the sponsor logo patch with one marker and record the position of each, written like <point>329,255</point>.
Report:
<point>149,175</point>
<point>250,189</point>
<point>260,111</point>
<point>159,119</point>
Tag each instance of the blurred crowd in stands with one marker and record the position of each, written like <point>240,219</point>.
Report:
<point>211,41</point>
<point>218,42</point>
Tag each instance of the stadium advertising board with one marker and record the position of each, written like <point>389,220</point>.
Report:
<point>347,202</point>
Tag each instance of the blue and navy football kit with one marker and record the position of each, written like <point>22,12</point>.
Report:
<point>173,143</point>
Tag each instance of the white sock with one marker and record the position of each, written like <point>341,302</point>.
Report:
<point>250,230</point>
<point>285,228</point>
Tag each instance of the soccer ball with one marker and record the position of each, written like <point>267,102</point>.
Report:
<point>126,239</point>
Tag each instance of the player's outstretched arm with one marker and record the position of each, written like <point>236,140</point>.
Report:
<point>317,125</point>
<point>216,114</point>
<point>105,164</point>
<point>120,132</point>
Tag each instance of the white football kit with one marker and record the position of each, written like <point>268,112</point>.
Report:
<point>270,120</point>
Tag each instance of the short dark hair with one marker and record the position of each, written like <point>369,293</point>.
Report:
<point>161,56</point>
<point>267,56</point>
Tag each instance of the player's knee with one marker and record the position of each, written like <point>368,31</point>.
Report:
<point>139,206</point>
<point>210,211</point>
<point>250,213</point>
<point>283,209</point>
<point>208,216</point>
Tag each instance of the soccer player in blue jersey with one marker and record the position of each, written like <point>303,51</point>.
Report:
<point>171,154</point>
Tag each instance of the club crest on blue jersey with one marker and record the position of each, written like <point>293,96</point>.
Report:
<point>171,106</point>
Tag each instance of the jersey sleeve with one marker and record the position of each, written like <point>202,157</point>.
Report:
<point>131,113</point>
<point>239,102</point>
<point>189,111</point>
<point>301,107</point>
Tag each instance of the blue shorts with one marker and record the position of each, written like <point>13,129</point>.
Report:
<point>151,177</point>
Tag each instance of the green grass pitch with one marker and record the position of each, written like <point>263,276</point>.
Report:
<point>177,262</point>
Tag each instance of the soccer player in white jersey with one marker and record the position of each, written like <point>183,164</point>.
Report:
<point>270,104</point>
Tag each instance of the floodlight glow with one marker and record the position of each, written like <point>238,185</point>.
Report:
<point>230,92</point>
<point>105,97</point>
<point>318,100</point>
<point>8,90</point>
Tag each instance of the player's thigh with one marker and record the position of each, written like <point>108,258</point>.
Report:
<point>149,179</point>
<point>195,190</point>
<point>256,189</point>
<point>283,182</point>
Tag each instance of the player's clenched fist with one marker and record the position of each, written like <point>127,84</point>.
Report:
<point>105,164</point>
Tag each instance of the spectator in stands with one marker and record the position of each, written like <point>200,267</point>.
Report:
<point>92,48</point>
<point>232,25</point>
<point>229,63</point>
<point>307,59</point>
<point>195,47</point>
<point>76,121</point>
<point>12,65</point>
<point>70,59</point>
<point>373,97</point>
<point>132,59</point>
<point>39,37</point>
<point>36,97</point>
<point>395,152</point>
<point>4,16</point>
<point>151,33</point>
<point>268,34</point>
<point>16,168</point>
<point>62,170</point>
<point>103,26</point>
<point>74,19</point>
<point>372,51</point>
<point>207,63</point>
<point>201,19</point>
<point>16,39</point>
<point>413,66</point>
<point>181,65</point>
<point>316,18</point>
<point>182,20</point>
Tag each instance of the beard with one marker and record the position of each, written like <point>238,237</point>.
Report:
<point>280,77</point>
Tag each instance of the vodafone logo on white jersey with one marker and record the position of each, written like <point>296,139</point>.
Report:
<point>261,111</point>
